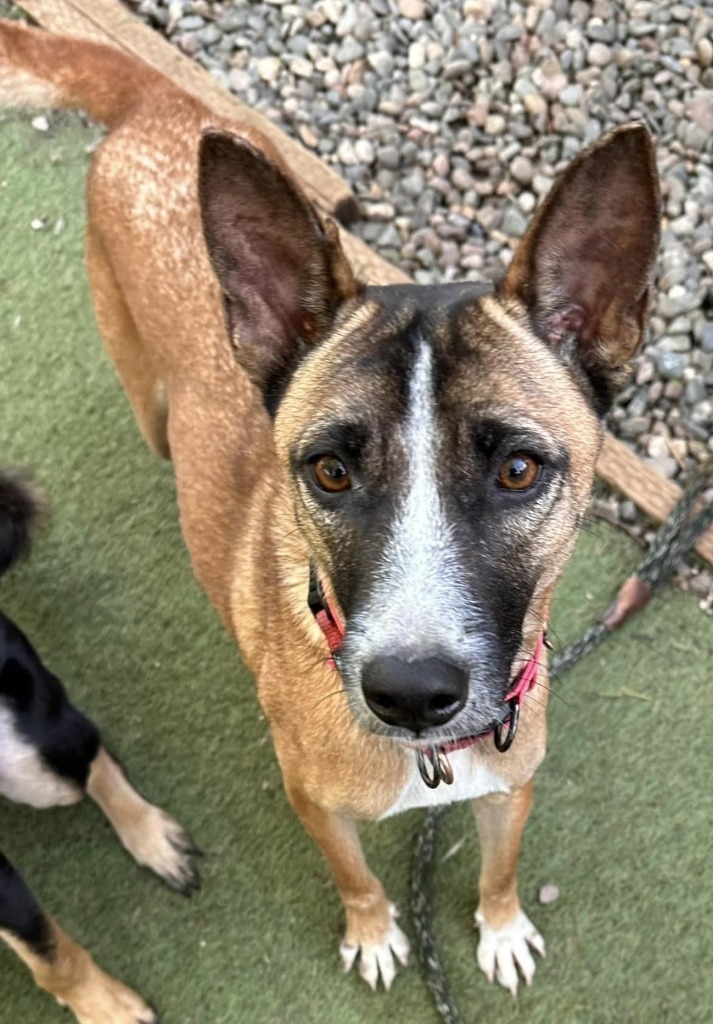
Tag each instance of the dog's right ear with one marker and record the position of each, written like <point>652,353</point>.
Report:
<point>281,267</point>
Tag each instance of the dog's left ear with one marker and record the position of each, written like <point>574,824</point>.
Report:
<point>584,267</point>
<point>281,268</point>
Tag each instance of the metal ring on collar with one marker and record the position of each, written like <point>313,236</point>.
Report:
<point>504,740</point>
<point>440,770</point>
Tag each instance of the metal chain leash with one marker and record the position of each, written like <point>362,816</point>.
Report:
<point>421,912</point>
<point>688,520</point>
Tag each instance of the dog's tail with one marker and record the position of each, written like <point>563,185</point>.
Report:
<point>38,69</point>
<point>21,507</point>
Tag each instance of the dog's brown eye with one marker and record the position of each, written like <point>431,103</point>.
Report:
<point>331,474</point>
<point>518,472</point>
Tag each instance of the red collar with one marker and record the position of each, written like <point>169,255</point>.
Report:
<point>328,618</point>
<point>523,684</point>
<point>330,622</point>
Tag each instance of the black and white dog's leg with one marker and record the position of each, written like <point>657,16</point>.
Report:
<point>59,965</point>
<point>51,754</point>
<point>153,838</point>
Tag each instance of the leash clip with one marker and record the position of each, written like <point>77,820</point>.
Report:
<point>504,740</point>
<point>440,769</point>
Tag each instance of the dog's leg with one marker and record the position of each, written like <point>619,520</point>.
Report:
<point>116,326</point>
<point>58,964</point>
<point>505,932</point>
<point>371,932</point>
<point>152,838</point>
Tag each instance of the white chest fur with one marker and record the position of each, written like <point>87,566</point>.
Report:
<point>23,775</point>
<point>471,779</point>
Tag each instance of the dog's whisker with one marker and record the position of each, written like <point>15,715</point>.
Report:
<point>334,693</point>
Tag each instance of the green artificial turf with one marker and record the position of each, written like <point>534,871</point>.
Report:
<point>622,817</point>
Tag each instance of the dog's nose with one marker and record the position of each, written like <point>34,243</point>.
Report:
<point>414,694</point>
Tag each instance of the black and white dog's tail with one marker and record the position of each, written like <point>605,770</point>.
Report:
<point>21,507</point>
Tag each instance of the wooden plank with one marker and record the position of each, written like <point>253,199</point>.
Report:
<point>107,21</point>
<point>623,470</point>
<point>618,465</point>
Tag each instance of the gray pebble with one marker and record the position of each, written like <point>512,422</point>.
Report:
<point>572,95</point>
<point>382,62</point>
<point>665,464</point>
<point>522,170</point>
<point>191,23</point>
<point>514,222</point>
<point>599,54</point>
<point>633,427</point>
<point>695,391</point>
<point>674,343</point>
<point>364,151</point>
<point>707,337</point>
<point>349,51</point>
<point>548,894</point>
<point>702,414</point>
<point>457,69</point>
<point>628,512</point>
<point>645,371</point>
<point>389,157</point>
<point>671,364</point>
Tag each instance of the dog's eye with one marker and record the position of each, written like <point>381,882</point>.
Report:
<point>331,474</point>
<point>519,472</point>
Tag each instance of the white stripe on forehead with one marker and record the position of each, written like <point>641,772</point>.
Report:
<point>421,533</point>
<point>419,604</point>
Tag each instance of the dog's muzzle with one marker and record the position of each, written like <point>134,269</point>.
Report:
<point>432,761</point>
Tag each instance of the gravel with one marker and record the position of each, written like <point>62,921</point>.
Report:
<point>450,119</point>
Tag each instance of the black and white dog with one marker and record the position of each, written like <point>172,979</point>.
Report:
<point>51,754</point>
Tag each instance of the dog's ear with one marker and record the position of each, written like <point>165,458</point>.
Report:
<point>584,267</point>
<point>281,268</point>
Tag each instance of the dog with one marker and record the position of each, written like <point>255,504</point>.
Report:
<point>51,755</point>
<point>378,486</point>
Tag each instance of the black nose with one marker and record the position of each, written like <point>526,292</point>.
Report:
<point>414,694</point>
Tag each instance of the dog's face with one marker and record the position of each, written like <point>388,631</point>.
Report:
<point>440,442</point>
<point>441,458</point>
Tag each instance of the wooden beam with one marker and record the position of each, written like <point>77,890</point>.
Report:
<point>109,22</point>
<point>624,471</point>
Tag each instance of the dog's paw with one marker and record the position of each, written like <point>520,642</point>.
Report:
<point>159,843</point>
<point>502,952</point>
<point>376,960</point>
<point>101,999</point>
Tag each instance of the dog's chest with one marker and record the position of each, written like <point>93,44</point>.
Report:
<point>24,778</point>
<point>471,779</point>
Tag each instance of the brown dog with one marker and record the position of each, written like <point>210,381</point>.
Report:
<point>378,487</point>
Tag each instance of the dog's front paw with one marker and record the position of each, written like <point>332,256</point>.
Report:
<point>100,999</point>
<point>159,843</point>
<point>502,951</point>
<point>376,959</point>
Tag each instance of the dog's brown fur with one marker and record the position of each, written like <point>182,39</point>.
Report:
<point>76,981</point>
<point>249,525</point>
